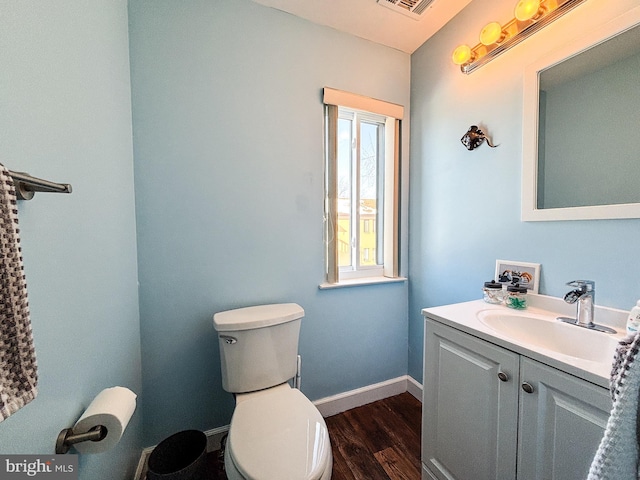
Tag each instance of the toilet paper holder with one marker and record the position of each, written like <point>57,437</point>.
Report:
<point>67,438</point>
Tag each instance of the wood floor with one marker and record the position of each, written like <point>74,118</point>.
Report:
<point>378,441</point>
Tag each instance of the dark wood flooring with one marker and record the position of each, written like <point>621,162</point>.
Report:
<point>378,441</point>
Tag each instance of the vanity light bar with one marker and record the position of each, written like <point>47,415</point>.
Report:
<point>512,33</point>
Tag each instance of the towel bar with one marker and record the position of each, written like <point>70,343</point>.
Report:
<point>26,185</point>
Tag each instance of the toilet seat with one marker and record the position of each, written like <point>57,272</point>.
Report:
<point>278,434</point>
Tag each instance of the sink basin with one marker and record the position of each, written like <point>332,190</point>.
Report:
<point>548,333</point>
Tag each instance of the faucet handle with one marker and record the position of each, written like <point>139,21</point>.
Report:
<point>583,285</point>
<point>573,296</point>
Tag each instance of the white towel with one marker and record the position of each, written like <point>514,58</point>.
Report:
<point>617,455</point>
<point>18,373</point>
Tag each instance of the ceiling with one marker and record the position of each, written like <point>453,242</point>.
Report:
<point>370,20</point>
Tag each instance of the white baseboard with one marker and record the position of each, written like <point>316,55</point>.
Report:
<point>335,404</point>
<point>214,437</point>
<point>414,388</point>
<point>141,471</point>
<point>327,406</point>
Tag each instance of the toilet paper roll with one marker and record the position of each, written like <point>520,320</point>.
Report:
<point>112,408</point>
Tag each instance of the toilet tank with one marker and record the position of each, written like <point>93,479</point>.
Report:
<point>258,345</point>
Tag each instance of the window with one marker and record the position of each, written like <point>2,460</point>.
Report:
<point>361,187</point>
<point>360,190</point>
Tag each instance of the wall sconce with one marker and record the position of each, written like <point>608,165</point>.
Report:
<point>474,138</point>
<point>530,16</point>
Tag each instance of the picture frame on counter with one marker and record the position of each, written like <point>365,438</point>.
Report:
<point>524,273</point>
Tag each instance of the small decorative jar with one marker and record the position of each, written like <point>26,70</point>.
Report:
<point>492,292</point>
<point>516,297</point>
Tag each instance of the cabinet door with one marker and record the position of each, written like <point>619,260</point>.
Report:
<point>469,419</point>
<point>561,423</point>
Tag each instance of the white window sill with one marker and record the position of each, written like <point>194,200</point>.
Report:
<point>356,282</point>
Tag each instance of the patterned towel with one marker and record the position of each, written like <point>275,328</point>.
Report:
<point>617,455</point>
<point>18,374</point>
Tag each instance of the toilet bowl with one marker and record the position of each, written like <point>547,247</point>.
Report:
<point>276,433</point>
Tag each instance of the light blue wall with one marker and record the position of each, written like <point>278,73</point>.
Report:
<point>65,115</point>
<point>465,206</point>
<point>228,122</point>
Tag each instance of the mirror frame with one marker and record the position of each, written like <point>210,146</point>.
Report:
<point>530,212</point>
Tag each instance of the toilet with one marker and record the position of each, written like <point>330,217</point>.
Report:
<point>276,433</point>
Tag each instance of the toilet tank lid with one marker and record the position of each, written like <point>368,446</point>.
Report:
<point>258,316</point>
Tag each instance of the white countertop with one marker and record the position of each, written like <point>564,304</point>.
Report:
<point>463,316</point>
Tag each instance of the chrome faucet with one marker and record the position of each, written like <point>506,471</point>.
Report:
<point>583,294</point>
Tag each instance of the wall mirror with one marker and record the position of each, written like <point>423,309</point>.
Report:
<point>581,155</point>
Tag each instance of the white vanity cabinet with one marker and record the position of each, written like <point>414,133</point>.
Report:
<point>470,416</point>
<point>560,424</point>
<point>491,414</point>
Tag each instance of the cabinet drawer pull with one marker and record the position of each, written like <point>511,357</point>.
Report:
<point>527,387</point>
<point>503,376</point>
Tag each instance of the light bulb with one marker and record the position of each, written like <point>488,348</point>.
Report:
<point>527,9</point>
<point>461,54</point>
<point>490,33</point>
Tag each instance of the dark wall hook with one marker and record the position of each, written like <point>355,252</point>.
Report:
<point>474,138</point>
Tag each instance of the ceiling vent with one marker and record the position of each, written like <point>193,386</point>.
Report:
<point>411,8</point>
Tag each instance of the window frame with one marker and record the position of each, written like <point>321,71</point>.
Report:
<point>358,226</point>
<point>388,232</point>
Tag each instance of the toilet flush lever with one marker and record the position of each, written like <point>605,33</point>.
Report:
<point>229,340</point>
